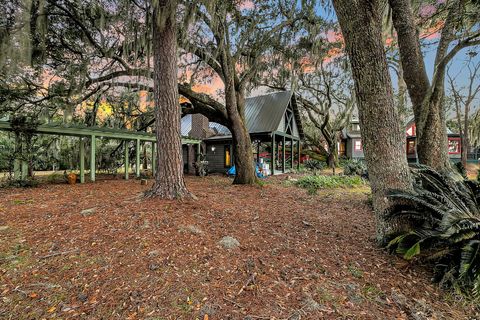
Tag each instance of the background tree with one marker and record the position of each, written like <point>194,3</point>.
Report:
<point>463,98</point>
<point>460,20</point>
<point>325,96</point>
<point>383,137</point>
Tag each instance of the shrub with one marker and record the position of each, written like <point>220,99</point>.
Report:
<point>354,167</point>
<point>314,165</point>
<point>313,183</point>
<point>444,217</point>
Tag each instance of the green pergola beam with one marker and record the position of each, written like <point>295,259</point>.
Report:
<point>127,155</point>
<point>82,160</point>
<point>137,159</point>
<point>154,158</point>
<point>82,131</point>
<point>92,158</point>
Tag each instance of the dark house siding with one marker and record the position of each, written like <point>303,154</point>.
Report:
<point>216,159</point>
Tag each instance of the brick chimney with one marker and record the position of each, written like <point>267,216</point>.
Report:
<point>199,126</point>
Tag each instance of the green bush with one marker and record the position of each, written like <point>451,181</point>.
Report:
<point>443,213</point>
<point>314,165</point>
<point>313,183</point>
<point>354,167</point>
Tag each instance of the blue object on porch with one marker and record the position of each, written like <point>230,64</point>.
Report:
<point>232,171</point>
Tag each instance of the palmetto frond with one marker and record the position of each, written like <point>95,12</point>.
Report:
<point>444,218</point>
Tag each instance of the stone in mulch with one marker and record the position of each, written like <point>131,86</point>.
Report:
<point>88,212</point>
<point>190,229</point>
<point>229,242</point>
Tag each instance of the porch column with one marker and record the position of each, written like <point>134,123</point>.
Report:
<point>258,151</point>
<point>137,159</point>
<point>199,151</point>
<point>126,160</point>
<point>92,158</point>
<point>272,162</point>
<point>17,173</point>
<point>17,162</point>
<point>82,160</point>
<point>24,168</point>
<point>292,151</point>
<point>283,154</point>
<point>299,155</point>
<point>154,158</point>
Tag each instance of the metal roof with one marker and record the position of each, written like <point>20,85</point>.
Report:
<point>262,114</point>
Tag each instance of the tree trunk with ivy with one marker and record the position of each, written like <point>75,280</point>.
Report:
<point>169,180</point>
<point>383,137</point>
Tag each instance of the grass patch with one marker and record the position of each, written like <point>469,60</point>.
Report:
<point>314,183</point>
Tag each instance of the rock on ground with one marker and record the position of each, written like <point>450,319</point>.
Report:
<point>229,242</point>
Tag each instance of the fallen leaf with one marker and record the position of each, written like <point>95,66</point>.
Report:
<point>52,309</point>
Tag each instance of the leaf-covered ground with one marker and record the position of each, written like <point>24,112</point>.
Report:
<point>101,251</point>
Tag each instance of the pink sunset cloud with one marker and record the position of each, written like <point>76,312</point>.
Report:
<point>246,5</point>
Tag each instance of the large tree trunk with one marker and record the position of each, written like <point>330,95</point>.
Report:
<point>383,137</point>
<point>431,129</point>
<point>242,145</point>
<point>169,181</point>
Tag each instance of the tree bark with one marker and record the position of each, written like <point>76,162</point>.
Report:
<point>242,145</point>
<point>383,137</point>
<point>427,99</point>
<point>169,180</point>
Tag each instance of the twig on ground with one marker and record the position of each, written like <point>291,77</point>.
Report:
<point>58,254</point>
<point>234,303</point>
<point>250,280</point>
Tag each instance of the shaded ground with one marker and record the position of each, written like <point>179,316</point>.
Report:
<point>100,251</point>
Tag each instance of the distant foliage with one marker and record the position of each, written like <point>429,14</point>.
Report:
<point>314,165</point>
<point>444,215</point>
<point>354,167</point>
<point>314,183</point>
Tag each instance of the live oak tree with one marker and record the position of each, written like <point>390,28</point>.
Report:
<point>236,43</point>
<point>328,103</point>
<point>383,137</point>
<point>459,19</point>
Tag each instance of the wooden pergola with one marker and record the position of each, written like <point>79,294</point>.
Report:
<point>91,133</point>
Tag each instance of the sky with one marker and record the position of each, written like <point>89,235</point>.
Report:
<point>325,10</point>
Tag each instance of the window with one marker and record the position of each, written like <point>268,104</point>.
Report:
<point>453,145</point>
<point>227,156</point>
<point>410,146</point>
<point>357,145</point>
<point>355,127</point>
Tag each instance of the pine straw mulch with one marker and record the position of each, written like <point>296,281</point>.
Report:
<point>101,251</point>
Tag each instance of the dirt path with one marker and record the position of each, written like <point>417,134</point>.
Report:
<point>100,251</point>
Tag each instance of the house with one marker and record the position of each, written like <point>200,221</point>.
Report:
<point>352,142</point>
<point>350,145</point>
<point>273,121</point>
<point>454,143</point>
